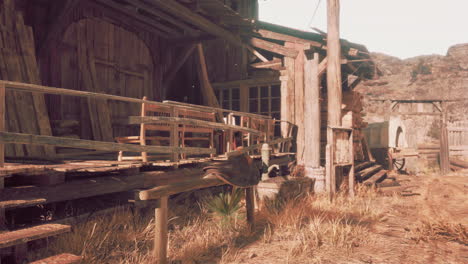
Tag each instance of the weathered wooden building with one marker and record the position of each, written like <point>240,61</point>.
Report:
<point>109,54</point>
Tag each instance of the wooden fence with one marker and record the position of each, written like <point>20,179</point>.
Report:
<point>458,138</point>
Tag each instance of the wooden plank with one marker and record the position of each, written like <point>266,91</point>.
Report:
<point>287,38</point>
<point>98,108</point>
<point>273,47</point>
<point>31,196</point>
<point>33,76</point>
<point>209,97</point>
<point>267,64</point>
<point>444,144</point>
<point>9,137</point>
<point>160,231</point>
<point>257,146</point>
<point>64,258</point>
<point>22,236</point>
<point>178,187</point>
<point>312,112</point>
<point>188,121</point>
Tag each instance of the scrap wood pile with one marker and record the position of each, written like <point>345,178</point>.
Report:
<point>25,112</point>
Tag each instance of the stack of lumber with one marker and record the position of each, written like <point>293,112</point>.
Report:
<point>370,173</point>
<point>458,164</point>
<point>352,116</point>
<point>25,112</point>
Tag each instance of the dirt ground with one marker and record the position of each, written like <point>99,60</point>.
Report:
<point>426,225</point>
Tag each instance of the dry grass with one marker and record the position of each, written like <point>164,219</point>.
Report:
<point>304,225</point>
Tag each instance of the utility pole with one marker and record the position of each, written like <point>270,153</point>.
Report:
<point>334,63</point>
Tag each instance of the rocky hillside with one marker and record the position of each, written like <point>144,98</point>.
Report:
<point>421,78</point>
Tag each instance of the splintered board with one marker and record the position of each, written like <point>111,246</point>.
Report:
<point>25,112</point>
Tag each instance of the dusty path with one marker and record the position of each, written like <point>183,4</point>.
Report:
<point>412,229</point>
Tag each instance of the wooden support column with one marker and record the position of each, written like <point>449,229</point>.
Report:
<point>250,207</point>
<point>298,102</point>
<point>334,90</point>
<point>444,144</point>
<point>312,126</point>
<point>174,136</point>
<point>160,231</point>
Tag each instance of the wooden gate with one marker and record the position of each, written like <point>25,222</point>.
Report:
<point>458,138</point>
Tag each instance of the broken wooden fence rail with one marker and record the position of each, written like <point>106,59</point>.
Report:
<point>21,138</point>
<point>187,121</point>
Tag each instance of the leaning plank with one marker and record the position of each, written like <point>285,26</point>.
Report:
<point>60,259</point>
<point>187,121</point>
<point>21,138</point>
<point>257,146</point>
<point>30,196</point>
<point>22,236</point>
<point>184,186</point>
<point>273,47</point>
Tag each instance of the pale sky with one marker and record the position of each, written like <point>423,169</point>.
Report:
<point>401,28</point>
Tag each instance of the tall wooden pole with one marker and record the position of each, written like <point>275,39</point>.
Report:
<point>334,64</point>
<point>333,87</point>
<point>160,232</point>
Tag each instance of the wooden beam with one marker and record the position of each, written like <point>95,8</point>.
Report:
<point>268,64</point>
<point>204,24</point>
<point>273,47</point>
<point>20,138</point>
<point>160,14</point>
<point>31,195</point>
<point>299,106</point>
<point>248,82</point>
<point>178,63</point>
<point>355,83</point>
<point>209,97</point>
<point>184,186</point>
<point>188,121</point>
<point>278,36</point>
<point>161,29</point>
<point>323,66</point>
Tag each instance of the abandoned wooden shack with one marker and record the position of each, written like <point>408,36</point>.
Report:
<point>179,85</point>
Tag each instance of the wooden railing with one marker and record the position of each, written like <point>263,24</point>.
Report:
<point>262,133</point>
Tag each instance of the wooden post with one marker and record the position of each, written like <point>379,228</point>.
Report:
<point>312,122</point>
<point>2,124</point>
<point>144,155</point>
<point>160,232</point>
<point>174,136</point>
<point>2,147</point>
<point>334,64</point>
<point>312,112</point>
<point>299,99</point>
<point>334,90</point>
<point>444,144</point>
<point>351,170</point>
<point>250,207</point>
